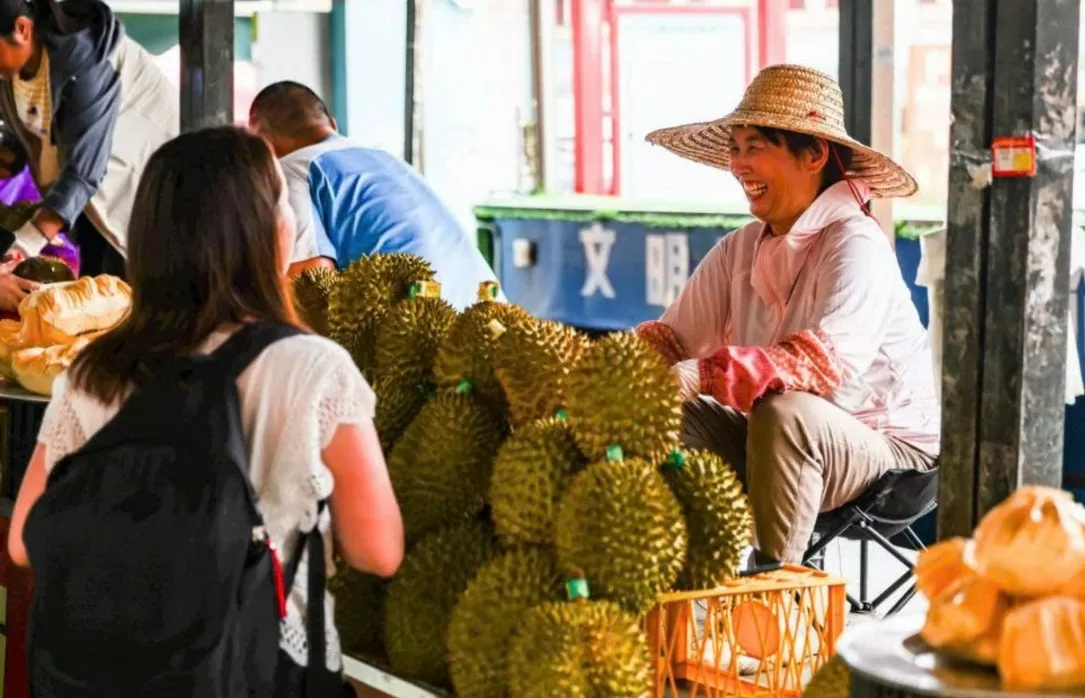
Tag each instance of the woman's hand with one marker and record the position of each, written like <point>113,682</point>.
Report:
<point>14,289</point>
<point>688,375</point>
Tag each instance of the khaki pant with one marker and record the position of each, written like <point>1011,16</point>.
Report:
<point>797,455</point>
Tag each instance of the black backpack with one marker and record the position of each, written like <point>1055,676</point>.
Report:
<point>153,574</point>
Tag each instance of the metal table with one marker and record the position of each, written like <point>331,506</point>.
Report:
<point>889,660</point>
<point>375,674</point>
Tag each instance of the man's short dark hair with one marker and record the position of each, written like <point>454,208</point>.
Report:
<point>288,108</point>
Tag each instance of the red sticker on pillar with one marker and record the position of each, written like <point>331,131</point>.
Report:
<point>1013,156</point>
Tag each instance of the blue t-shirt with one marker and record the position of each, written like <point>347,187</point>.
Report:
<point>360,201</point>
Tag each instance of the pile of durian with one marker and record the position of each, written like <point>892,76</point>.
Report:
<point>1012,597</point>
<point>545,500</point>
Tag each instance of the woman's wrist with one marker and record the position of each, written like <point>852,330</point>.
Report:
<point>48,222</point>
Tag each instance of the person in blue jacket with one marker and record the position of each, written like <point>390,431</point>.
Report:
<point>360,201</point>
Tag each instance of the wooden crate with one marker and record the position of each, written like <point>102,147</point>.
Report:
<point>756,636</point>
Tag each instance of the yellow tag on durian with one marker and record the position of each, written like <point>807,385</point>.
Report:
<point>425,289</point>
<point>487,290</point>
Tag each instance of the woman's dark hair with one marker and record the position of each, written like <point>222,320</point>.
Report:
<point>47,13</point>
<point>203,251</point>
<point>796,143</point>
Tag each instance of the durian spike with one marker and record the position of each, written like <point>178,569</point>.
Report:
<point>532,470</point>
<point>532,362</point>
<point>312,292</point>
<point>717,515</point>
<point>620,527</point>
<point>421,597</point>
<point>622,392</point>
<point>365,294</point>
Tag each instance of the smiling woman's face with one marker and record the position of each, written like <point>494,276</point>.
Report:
<point>779,184</point>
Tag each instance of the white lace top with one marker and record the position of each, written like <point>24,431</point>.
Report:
<point>293,397</point>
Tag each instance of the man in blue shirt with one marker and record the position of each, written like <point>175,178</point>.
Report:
<point>352,201</point>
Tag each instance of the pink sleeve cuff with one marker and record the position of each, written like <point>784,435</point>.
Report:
<point>663,339</point>
<point>739,376</point>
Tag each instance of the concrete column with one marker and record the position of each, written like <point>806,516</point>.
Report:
<point>1007,256</point>
<point>206,31</point>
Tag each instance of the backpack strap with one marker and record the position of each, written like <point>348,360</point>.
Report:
<point>315,632</point>
<point>241,349</point>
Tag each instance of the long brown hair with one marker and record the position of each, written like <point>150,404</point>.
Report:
<point>203,252</point>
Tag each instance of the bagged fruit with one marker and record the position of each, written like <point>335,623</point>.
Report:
<point>1033,544</point>
<point>1043,645</point>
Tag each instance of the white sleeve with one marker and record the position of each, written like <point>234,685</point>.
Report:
<point>61,432</point>
<point>305,240</point>
<point>343,397</point>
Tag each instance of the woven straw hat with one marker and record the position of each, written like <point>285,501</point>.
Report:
<point>790,98</point>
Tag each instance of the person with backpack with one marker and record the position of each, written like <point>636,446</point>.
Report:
<point>179,509</point>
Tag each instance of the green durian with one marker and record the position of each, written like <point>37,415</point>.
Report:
<point>366,292</point>
<point>488,613</point>
<point>585,649</point>
<point>408,338</point>
<point>312,297</point>
<point>358,600</point>
<point>717,516</point>
<point>398,403</point>
<point>621,392</point>
<point>44,270</point>
<point>440,467</point>
<point>832,680</point>
<point>530,473</point>
<point>620,527</point>
<point>532,361</point>
<point>421,598</point>
<point>464,356</point>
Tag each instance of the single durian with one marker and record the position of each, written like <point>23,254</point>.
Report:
<point>592,649</point>
<point>440,467</point>
<point>312,297</point>
<point>832,680</point>
<point>717,513</point>
<point>358,599</point>
<point>488,613</point>
<point>398,404</point>
<point>366,291</point>
<point>421,598</point>
<point>532,361</point>
<point>622,393</point>
<point>621,528</point>
<point>408,337</point>
<point>464,358</point>
<point>531,472</point>
<point>44,270</point>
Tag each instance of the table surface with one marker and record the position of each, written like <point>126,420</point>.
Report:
<point>15,392</point>
<point>891,653</point>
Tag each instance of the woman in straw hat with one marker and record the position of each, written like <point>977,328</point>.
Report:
<point>800,354</point>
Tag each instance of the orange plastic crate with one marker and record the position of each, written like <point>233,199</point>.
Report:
<point>756,636</point>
